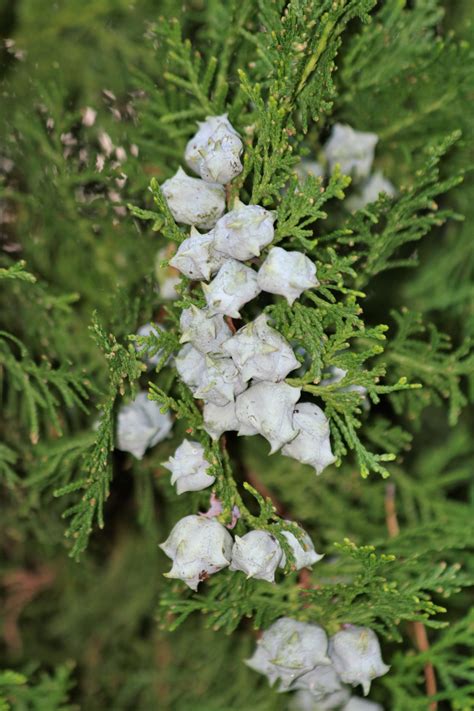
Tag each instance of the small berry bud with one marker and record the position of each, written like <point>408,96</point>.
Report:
<point>189,467</point>
<point>214,152</point>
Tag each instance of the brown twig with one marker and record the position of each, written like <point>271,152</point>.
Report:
<point>21,587</point>
<point>418,628</point>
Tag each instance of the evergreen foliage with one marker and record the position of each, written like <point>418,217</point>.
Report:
<point>88,620</point>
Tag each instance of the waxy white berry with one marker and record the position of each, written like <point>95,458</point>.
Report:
<point>268,407</point>
<point>243,232</point>
<point>190,364</point>
<point>218,420</point>
<point>220,381</point>
<point>232,287</point>
<point>214,152</point>
<point>141,425</point>
<point>205,332</point>
<point>257,554</point>
<point>303,551</point>
<point>188,467</point>
<point>260,352</point>
<point>320,681</point>
<point>196,257</point>
<point>287,273</point>
<point>312,444</point>
<point>352,150</point>
<point>198,547</point>
<point>292,648</point>
<point>355,654</point>
<point>192,201</point>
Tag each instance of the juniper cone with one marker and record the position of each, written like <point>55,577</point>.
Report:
<point>235,354</point>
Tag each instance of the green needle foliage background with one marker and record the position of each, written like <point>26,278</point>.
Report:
<point>87,619</point>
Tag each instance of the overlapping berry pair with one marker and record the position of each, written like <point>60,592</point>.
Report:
<point>301,658</point>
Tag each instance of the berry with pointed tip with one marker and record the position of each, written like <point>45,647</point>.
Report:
<point>243,232</point>
<point>192,201</point>
<point>190,364</point>
<point>141,425</point>
<point>370,191</point>
<point>219,419</point>
<point>355,653</point>
<point>312,444</point>
<point>214,151</point>
<point>352,150</point>
<point>268,408</point>
<point>198,547</point>
<point>288,649</point>
<point>260,352</point>
<point>196,257</point>
<point>287,273</point>
<point>257,554</point>
<point>232,287</point>
<point>303,551</point>
<point>357,704</point>
<point>220,381</point>
<point>261,663</point>
<point>205,332</point>
<point>188,467</point>
<point>320,681</point>
<point>149,329</point>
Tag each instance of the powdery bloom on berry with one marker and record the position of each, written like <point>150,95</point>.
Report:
<point>220,381</point>
<point>214,152</point>
<point>205,332</point>
<point>288,649</point>
<point>232,287</point>
<point>355,653</point>
<point>303,551</point>
<point>219,419</point>
<point>141,425</point>
<point>198,547</point>
<point>287,274</point>
<point>268,408</point>
<point>320,681</point>
<point>257,554</point>
<point>190,364</point>
<point>352,150</point>
<point>196,257</point>
<point>188,467</point>
<point>312,444</point>
<point>243,232</point>
<point>192,201</point>
<point>260,352</point>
